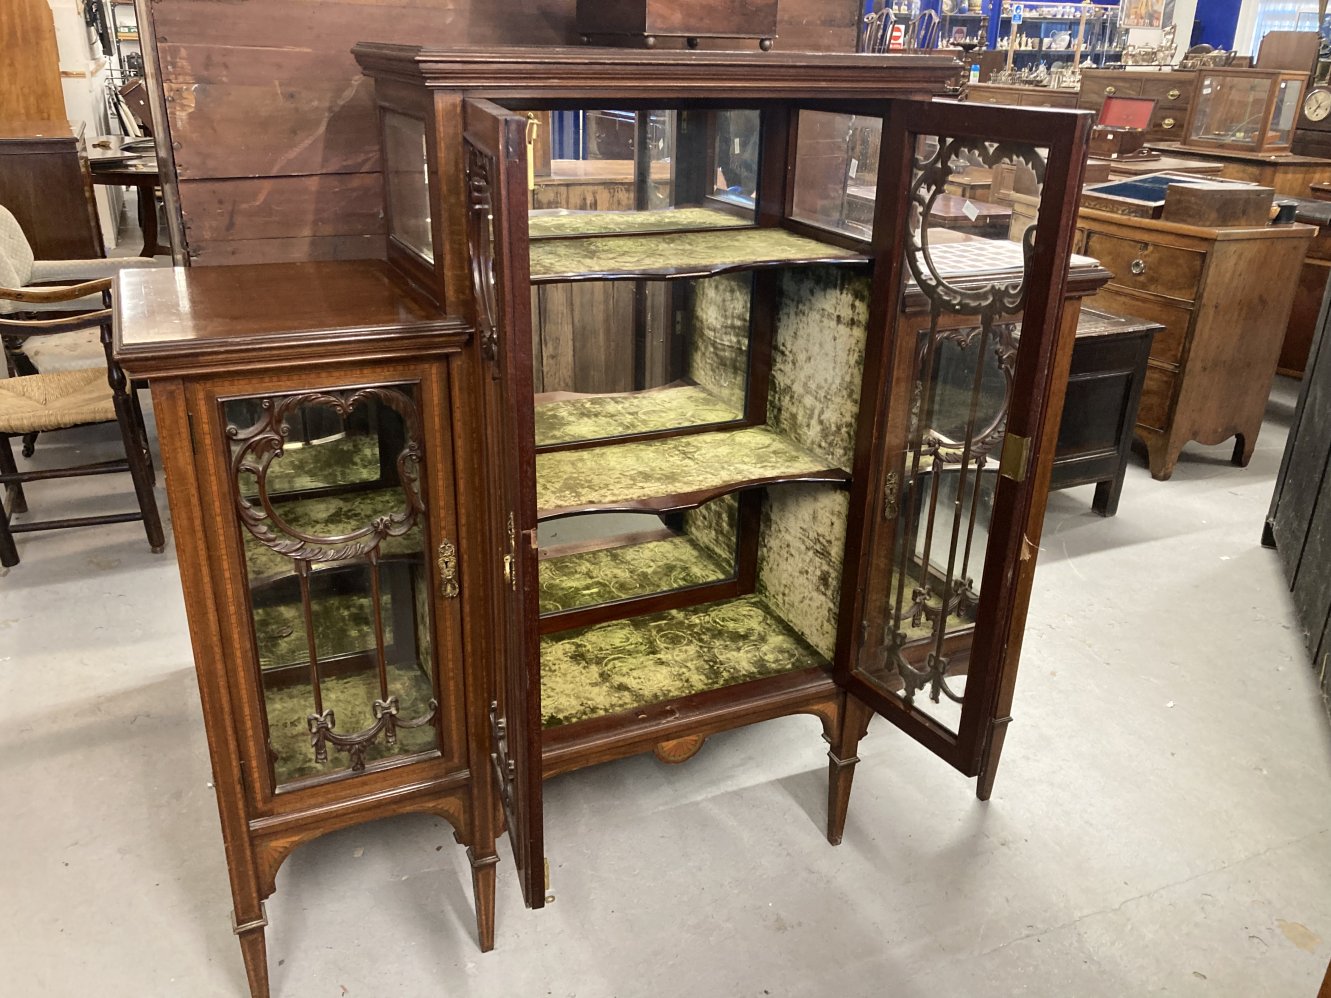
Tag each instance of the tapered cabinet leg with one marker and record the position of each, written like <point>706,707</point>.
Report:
<point>254,950</point>
<point>993,749</point>
<point>483,887</point>
<point>841,765</point>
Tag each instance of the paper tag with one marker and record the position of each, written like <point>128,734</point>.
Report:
<point>854,168</point>
<point>970,211</point>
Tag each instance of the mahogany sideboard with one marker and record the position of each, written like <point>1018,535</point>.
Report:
<point>46,182</point>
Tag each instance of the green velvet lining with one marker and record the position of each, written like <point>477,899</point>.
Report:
<point>343,460</point>
<point>591,577</point>
<point>343,625</point>
<point>675,253</point>
<point>718,342</point>
<point>591,417</point>
<point>597,222</point>
<point>352,701</point>
<point>630,663</point>
<point>624,473</point>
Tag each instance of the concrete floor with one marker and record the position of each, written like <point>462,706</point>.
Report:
<point>1161,822</point>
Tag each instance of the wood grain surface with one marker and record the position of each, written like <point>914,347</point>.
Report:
<point>273,124</point>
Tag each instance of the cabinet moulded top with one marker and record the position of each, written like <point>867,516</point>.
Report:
<point>590,73</point>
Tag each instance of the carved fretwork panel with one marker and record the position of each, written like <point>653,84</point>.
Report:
<point>327,490</point>
<point>967,285</point>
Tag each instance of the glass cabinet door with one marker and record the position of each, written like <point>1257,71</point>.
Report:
<point>976,309</point>
<point>328,495</point>
<point>496,164</point>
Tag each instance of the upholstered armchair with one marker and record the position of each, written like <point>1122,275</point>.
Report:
<point>19,271</point>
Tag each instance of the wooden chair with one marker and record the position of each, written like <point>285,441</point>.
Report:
<point>58,400</point>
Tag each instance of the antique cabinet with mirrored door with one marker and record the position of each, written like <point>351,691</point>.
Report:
<point>305,415</point>
<point>691,395</point>
<point>768,412</point>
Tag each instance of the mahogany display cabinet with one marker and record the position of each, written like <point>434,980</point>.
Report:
<point>551,488</point>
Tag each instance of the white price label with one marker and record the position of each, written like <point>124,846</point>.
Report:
<point>854,168</point>
<point>970,211</point>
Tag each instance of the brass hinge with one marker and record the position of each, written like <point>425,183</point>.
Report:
<point>193,443</point>
<point>533,126</point>
<point>549,895</point>
<point>1016,457</point>
<point>448,570</point>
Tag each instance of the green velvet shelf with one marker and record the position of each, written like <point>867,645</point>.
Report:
<point>586,223</point>
<point>658,476</point>
<point>351,698</point>
<point>606,575</point>
<point>677,255</point>
<point>626,664</point>
<point>567,417</point>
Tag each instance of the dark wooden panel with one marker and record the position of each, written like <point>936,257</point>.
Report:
<point>269,89</point>
<point>44,181</point>
<point>316,126</point>
<point>293,249</point>
<point>278,207</point>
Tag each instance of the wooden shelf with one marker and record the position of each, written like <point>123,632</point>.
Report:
<point>570,417</point>
<point>658,476</point>
<point>676,255</point>
<point>628,664</point>
<point>562,223</point>
<point>641,566</point>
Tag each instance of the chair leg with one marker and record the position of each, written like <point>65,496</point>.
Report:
<point>29,444</point>
<point>17,504</point>
<point>140,472</point>
<point>143,434</point>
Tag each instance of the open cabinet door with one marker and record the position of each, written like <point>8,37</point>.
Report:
<point>973,230</point>
<point>496,165</point>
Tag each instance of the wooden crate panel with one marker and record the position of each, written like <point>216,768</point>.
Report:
<point>281,207</point>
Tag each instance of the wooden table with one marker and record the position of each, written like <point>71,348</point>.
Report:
<point>1125,169</point>
<point>141,174</point>
<point>1284,173</point>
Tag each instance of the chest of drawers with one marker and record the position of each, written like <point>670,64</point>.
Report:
<point>1172,93</point>
<point>1222,296</point>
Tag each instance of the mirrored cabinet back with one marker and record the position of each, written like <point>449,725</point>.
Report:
<point>694,390</point>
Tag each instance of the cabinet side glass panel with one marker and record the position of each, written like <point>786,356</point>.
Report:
<point>407,177</point>
<point>328,496</point>
<point>961,319</point>
<point>836,161</point>
<point>600,171</point>
<point>1231,110</point>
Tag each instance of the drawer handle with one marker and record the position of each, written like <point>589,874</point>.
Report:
<point>1138,267</point>
<point>1110,91</point>
<point>1175,94</point>
<point>1168,123</point>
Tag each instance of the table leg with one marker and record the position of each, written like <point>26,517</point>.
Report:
<point>148,217</point>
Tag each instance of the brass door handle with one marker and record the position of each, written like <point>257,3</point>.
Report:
<point>1175,94</point>
<point>1138,267</point>
<point>448,570</point>
<point>1110,91</point>
<point>1168,123</point>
